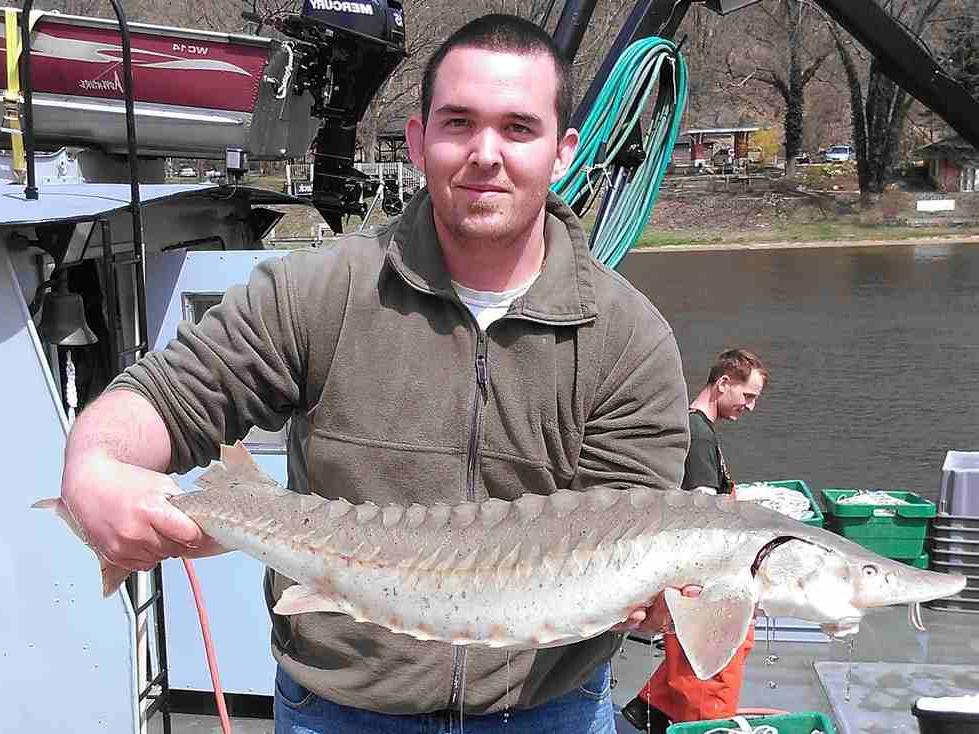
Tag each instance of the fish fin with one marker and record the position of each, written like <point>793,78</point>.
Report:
<point>299,599</point>
<point>57,505</point>
<point>711,627</point>
<point>237,466</point>
<point>49,503</point>
<point>237,459</point>
<point>112,576</point>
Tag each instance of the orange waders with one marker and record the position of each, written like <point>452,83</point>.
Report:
<point>677,691</point>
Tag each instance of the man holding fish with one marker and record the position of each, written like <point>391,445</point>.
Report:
<point>471,349</point>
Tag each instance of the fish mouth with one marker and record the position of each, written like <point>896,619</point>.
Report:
<point>956,582</point>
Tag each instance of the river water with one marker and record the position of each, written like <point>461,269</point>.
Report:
<point>873,354</point>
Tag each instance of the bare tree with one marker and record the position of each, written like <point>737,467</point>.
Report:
<point>961,42</point>
<point>429,22</point>
<point>878,107</point>
<point>216,15</point>
<point>786,54</point>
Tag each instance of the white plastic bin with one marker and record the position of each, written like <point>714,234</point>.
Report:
<point>959,494</point>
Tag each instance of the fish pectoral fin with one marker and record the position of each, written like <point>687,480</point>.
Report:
<point>711,627</point>
<point>300,599</point>
<point>112,576</point>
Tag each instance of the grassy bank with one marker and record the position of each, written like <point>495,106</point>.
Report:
<point>299,223</point>
<point>733,220</point>
<point>808,232</point>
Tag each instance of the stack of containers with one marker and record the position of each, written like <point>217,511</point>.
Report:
<point>895,531</point>
<point>955,529</point>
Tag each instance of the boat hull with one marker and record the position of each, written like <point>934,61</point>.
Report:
<point>197,93</point>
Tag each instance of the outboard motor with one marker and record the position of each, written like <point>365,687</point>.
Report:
<point>349,49</point>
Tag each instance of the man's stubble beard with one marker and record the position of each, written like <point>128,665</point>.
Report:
<point>480,232</point>
<point>503,231</point>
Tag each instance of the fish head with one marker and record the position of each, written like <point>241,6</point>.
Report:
<point>881,582</point>
<point>800,579</point>
<point>834,584</point>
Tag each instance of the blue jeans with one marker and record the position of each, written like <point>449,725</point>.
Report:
<point>585,710</point>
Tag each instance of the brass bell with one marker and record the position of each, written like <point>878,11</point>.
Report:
<point>63,318</point>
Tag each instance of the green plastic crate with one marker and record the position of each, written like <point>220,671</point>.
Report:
<point>894,531</point>
<point>817,520</point>
<point>804,722</point>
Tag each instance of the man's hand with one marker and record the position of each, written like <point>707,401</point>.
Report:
<point>114,489</point>
<point>125,513</point>
<point>655,617</point>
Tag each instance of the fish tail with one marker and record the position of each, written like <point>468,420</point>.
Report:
<point>112,576</point>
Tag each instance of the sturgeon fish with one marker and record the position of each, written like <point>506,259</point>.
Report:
<point>547,570</point>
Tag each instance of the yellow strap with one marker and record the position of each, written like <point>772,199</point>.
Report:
<point>11,97</point>
<point>12,38</point>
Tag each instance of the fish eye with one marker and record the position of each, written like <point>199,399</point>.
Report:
<point>870,570</point>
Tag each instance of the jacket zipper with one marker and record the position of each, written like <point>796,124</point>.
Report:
<point>472,466</point>
<point>479,403</point>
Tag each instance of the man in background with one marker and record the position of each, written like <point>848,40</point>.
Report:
<point>675,693</point>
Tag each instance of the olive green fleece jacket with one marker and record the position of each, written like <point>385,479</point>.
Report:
<point>396,396</point>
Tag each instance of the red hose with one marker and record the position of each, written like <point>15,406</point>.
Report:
<point>212,663</point>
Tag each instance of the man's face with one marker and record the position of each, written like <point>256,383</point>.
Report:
<point>491,147</point>
<point>737,397</point>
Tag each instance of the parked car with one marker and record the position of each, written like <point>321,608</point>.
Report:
<point>837,153</point>
<point>187,172</point>
<point>213,173</point>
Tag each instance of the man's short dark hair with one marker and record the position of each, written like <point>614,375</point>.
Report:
<point>507,33</point>
<point>737,364</point>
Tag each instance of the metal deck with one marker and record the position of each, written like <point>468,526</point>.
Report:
<point>887,644</point>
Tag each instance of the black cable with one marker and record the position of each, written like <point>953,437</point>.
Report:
<point>546,15</point>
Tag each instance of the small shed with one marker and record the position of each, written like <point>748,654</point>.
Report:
<point>953,164</point>
<point>390,145</point>
<point>699,146</point>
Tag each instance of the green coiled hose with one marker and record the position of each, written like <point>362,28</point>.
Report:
<point>646,65</point>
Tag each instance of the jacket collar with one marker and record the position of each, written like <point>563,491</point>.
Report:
<point>564,293</point>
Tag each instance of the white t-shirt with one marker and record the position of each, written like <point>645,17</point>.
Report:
<point>488,306</point>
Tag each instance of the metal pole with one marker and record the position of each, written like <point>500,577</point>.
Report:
<point>109,284</point>
<point>161,632</point>
<point>648,18</point>
<point>611,194</point>
<point>571,26</point>
<point>134,204</point>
